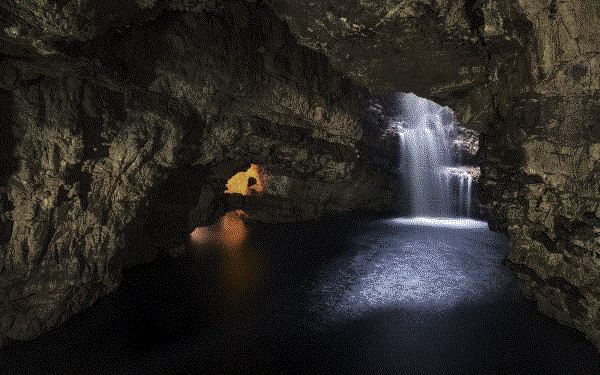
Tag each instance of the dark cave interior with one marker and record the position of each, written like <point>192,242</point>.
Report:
<point>140,137</point>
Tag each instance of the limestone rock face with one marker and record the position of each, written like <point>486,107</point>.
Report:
<point>544,190</point>
<point>85,164</point>
<point>540,166</point>
<point>464,54</point>
<point>121,142</point>
<point>465,145</point>
<point>421,46</point>
<point>123,120</point>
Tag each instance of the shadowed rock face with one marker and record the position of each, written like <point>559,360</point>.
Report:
<point>430,44</point>
<point>435,49</point>
<point>126,140</point>
<point>123,120</point>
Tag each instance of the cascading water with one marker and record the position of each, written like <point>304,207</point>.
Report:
<point>437,186</point>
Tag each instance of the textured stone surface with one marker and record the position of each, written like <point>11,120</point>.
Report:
<point>109,106</point>
<point>544,190</point>
<point>465,54</point>
<point>375,43</point>
<point>99,125</point>
<point>465,145</point>
<point>540,166</point>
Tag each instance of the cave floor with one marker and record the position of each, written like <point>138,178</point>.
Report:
<point>334,296</point>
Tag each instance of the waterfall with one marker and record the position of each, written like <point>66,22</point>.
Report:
<point>437,186</point>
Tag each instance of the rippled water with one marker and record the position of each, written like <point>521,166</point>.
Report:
<point>437,186</point>
<point>394,296</point>
<point>413,264</point>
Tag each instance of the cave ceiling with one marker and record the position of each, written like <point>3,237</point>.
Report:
<point>110,106</point>
<point>436,49</point>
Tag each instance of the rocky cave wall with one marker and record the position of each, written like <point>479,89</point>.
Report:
<point>525,74</point>
<point>125,134</point>
<point>541,164</point>
<point>114,104</point>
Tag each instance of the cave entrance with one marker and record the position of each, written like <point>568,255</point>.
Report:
<point>249,182</point>
<point>230,231</point>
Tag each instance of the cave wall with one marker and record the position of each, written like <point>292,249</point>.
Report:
<point>541,165</point>
<point>125,133</point>
<point>114,104</point>
<point>525,74</point>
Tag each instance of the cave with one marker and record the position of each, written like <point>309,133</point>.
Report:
<point>278,186</point>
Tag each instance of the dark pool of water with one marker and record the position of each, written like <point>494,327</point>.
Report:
<point>337,296</point>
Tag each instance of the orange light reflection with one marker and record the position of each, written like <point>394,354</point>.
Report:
<point>240,265</point>
<point>201,236</point>
<point>232,231</point>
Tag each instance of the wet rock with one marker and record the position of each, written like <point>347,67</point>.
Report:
<point>370,42</point>
<point>547,200</point>
<point>465,145</point>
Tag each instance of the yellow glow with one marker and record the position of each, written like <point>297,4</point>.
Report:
<point>240,264</point>
<point>240,270</point>
<point>201,235</point>
<point>233,231</point>
<point>229,232</point>
<point>239,182</point>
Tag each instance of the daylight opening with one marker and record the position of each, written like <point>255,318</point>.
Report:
<point>250,182</point>
<point>436,156</point>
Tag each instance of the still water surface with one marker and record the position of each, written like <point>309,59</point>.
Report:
<point>361,296</point>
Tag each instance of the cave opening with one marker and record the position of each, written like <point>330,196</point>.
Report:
<point>230,230</point>
<point>436,157</point>
<point>249,182</point>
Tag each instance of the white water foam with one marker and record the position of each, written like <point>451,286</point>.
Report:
<point>442,222</point>
<point>437,187</point>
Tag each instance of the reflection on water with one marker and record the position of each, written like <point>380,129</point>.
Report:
<point>232,230</point>
<point>201,236</point>
<point>413,264</point>
<point>240,264</point>
<point>441,222</point>
<point>338,297</point>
